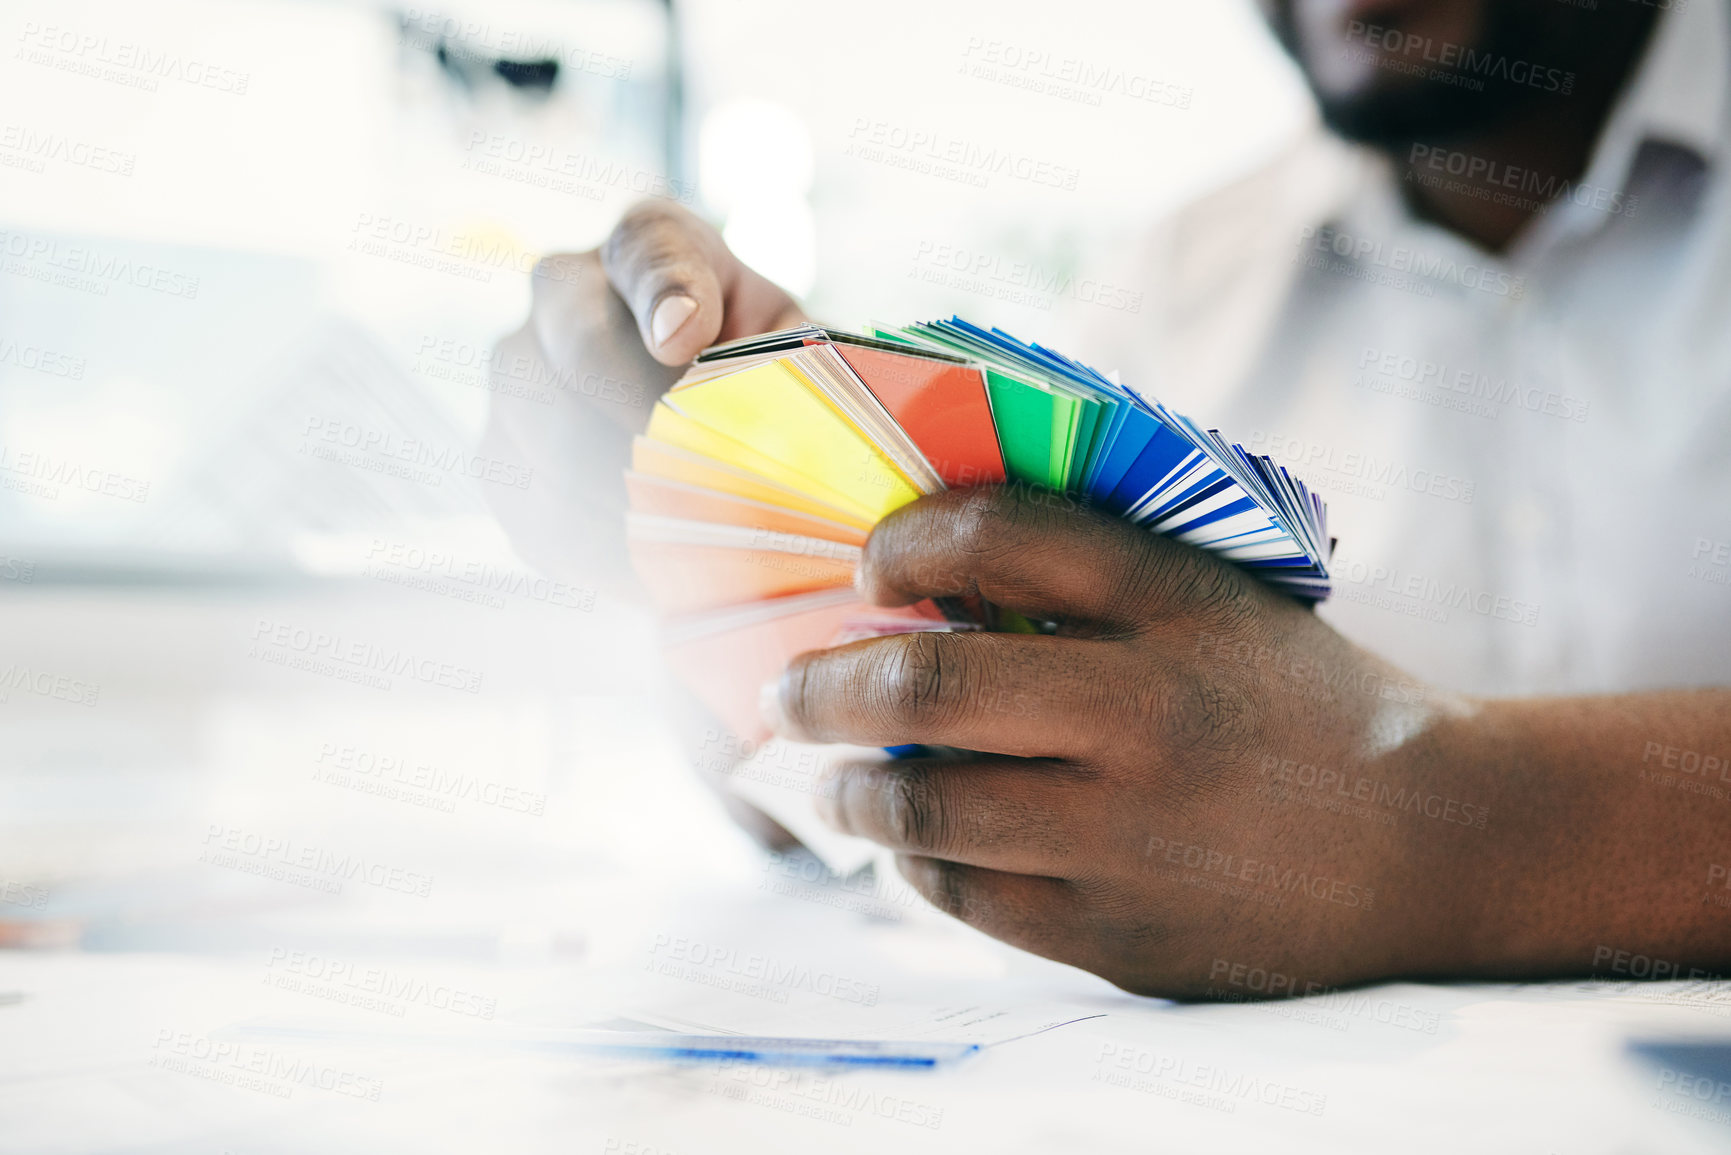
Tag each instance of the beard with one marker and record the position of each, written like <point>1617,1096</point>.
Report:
<point>1592,50</point>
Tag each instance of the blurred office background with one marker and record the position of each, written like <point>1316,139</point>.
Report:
<point>251,251</point>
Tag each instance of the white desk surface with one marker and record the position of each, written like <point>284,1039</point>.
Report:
<point>118,1052</point>
<point>629,896</point>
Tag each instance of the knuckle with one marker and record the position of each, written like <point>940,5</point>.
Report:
<point>979,519</point>
<point>919,677</point>
<point>912,814</point>
<point>640,221</point>
<point>951,892</point>
<point>981,525</point>
<point>1142,574</point>
<point>654,247</point>
<point>1197,711</point>
<point>1190,579</point>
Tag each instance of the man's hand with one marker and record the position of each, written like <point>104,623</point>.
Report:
<point>607,333</point>
<point>1197,788</point>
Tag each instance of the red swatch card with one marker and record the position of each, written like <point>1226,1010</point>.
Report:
<point>942,406</point>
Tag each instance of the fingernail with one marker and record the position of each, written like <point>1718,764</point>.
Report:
<point>769,705</point>
<point>670,317</point>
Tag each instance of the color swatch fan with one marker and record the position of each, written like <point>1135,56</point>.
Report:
<point>767,464</point>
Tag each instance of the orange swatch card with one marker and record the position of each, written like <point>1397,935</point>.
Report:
<point>685,579</point>
<point>667,498</point>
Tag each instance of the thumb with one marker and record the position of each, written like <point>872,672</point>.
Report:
<point>670,268</point>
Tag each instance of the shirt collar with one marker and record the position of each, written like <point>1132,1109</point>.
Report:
<point>1677,95</point>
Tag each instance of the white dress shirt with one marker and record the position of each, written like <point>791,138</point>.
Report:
<point>1526,456</point>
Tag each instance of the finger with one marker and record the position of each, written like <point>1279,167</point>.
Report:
<point>1029,817</point>
<point>1041,555</point>
<point>1044,915</point>
<point>668,266</point>
<point>1015,694</point>
<point>584,345</point>
<point>683,286</point>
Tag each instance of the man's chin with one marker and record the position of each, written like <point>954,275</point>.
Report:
<point>1391,121</point>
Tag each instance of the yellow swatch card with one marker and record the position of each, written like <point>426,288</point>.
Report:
<point>792,426</point>
<point>674,464</point>
<point>672,427</point>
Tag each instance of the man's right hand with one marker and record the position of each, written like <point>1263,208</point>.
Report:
<point>607,333</point>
